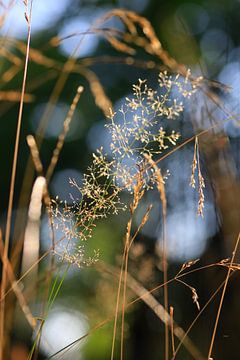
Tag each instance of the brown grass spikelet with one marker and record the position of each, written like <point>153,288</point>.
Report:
<point>146,215</point>
<point>201,199</point>
<point>172,329</point>
<point>194,166</point>
<point>138,192</point>
<point>201,182</point>
<point>35,153</point>
<point>188,264</point>
<point>159,181</point>
<point>194,293</point>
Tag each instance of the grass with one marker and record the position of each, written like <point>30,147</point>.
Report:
<point>138,137</point>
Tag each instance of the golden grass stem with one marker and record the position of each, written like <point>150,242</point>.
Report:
<point>35,154</point>
<point>137,195</point>
<point>63,134</point>
<point>142,293</point>
<point>125,260</point>
<point>222,297</point>
<point>117,305</point>
<point>162,193</point>
<point>172,329</point>
<point>146,296</point>
<point>14,96</point>
<point>128,242</point>
<point>14,167</point>
<point>163,315</point>
<point>100,97</point>
<point>197,317</point>
<point>13,174</point>
<point>17,290</point>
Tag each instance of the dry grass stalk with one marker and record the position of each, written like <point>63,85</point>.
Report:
<point>161,189</point>
<point>147,297</point>
<point>100,97</point>
<point>128,60</point>
<point>117,307</point>
<point>138,193</point>
<point>21,299</point>
<point>62,136</point>
<point>172,329</point>
<point>179,332</point>
<point>15,96</point>
<point>38,57</point>
<point>164,316</point>
<point>199,314</point>
<point>120,46</point>
<point>14,165</point>
<point>126,250</point>
<point>38,165</point>
<point>35,154</point>
<point>49,251</point>
<point>14,59</point>
<point>137,288</point>
<point>143,222</point>
<point>10,73</point>
<point>222,296</point>
<point>18,293</point>
<point>11,193</point>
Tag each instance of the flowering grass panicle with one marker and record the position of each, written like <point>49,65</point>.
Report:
<point>137,132</point>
